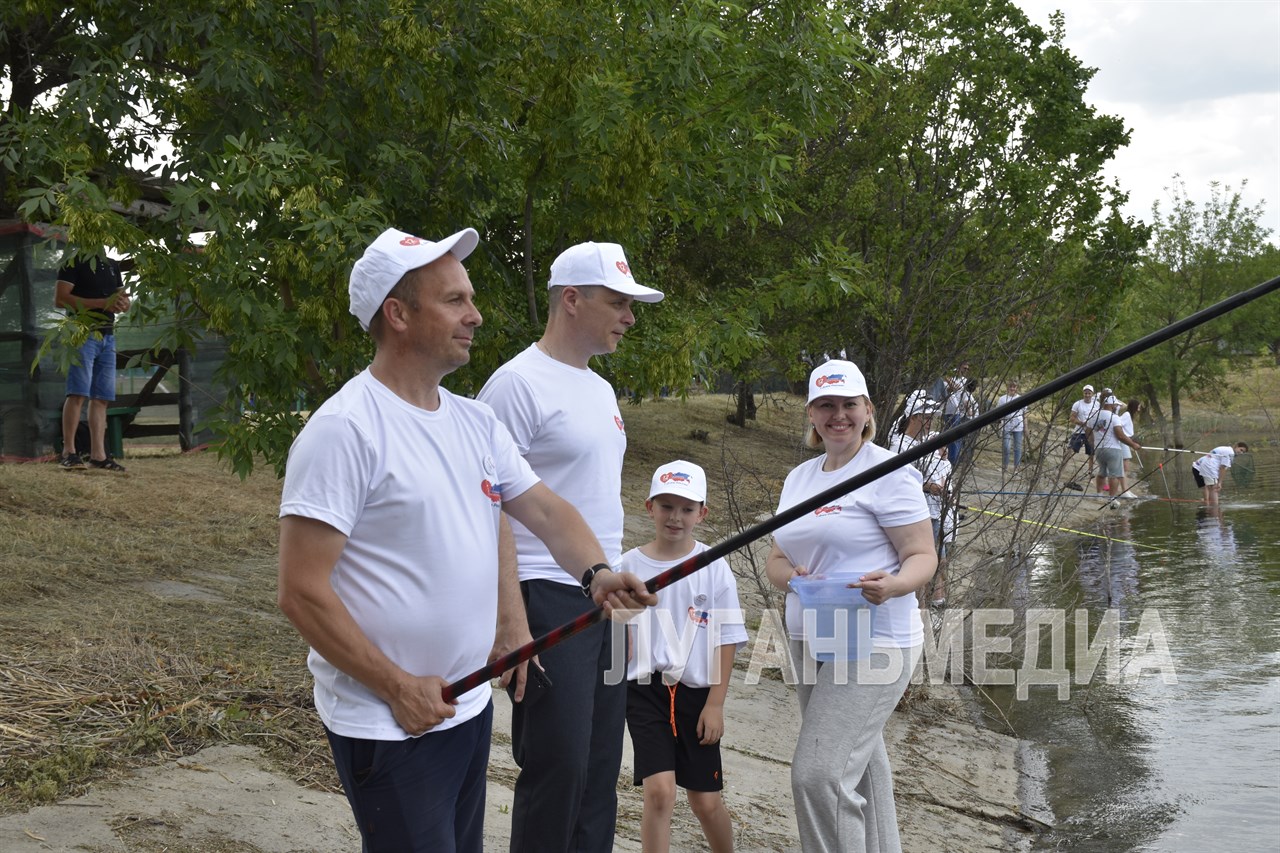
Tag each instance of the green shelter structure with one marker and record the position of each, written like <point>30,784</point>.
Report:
<point>159,392</point>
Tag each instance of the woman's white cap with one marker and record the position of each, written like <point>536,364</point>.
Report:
<point>837,378</point>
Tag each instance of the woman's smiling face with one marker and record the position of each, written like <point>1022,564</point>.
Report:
<point>839,421</point>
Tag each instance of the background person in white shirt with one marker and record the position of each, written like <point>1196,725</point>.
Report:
<point>1109,438</point>
<point>1207,470</point>
<point>1127,412</point>
<point>1012,427</point>
<point>1083,411</point>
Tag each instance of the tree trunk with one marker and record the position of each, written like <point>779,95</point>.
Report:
<point>530,286</point>
<point>1153,409</point>
<point>746,404</point>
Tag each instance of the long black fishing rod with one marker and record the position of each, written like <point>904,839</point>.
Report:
<point>500,665</point>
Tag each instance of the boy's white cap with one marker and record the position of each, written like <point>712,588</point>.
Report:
<point>680,478</point>
<point>837,378</point>
<point>392,255</point>
<point>599,263</point>
<point>1087,388</point>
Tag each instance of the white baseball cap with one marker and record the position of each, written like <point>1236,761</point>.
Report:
<point>599,263</point>
<point>680,478</point>
<point>919,403</point>
<point>1110,401</point>
<point>837,378</point>
<point>392,255</point>
<point>1087,388</point>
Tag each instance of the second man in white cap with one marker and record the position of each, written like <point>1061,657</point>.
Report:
<point>567,425</point>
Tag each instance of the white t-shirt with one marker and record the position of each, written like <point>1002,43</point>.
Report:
<point>1084,412</point>
<point>846,538</point>
<point>938,470</point>
<point>695,616</point>
<point>1125,419</point>
<point>961,403</point>
<point>418,495</point>
<point>1104,432</point>
<point>1015,422</point>
<point>1211,464</point>
<point>566,424</point>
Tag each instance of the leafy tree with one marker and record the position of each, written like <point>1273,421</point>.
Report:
<point>1198,256</point>
<point>957,210</point>
<point>297,131</point>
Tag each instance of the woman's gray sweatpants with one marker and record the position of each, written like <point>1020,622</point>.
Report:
<point>840,775</point>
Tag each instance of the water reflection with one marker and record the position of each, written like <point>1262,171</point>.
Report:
<point>1147,765</point>
<point>1108,568</point>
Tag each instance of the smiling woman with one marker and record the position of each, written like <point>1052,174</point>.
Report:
<point>879,539</point>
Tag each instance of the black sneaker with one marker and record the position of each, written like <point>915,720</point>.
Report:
<point>107,464</point>
<point>71,462</point>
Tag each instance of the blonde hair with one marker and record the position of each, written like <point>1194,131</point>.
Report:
<point>814,441</point>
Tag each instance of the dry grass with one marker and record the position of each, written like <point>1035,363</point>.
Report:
<point>140,621</point>
<point>139,610</point>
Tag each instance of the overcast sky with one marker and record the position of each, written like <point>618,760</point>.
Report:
<point>1198,86</point>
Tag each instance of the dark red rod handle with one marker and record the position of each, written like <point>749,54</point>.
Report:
<point>495,668</point>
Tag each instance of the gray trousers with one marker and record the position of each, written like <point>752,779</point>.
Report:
<point>840,776</point>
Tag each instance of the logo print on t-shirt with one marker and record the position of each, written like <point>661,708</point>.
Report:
<point>410,241</point>
<point>833,379</point>
<point>617,420</point>
<point>827,510</point>
<point>698,617</point>
<point>623,268</point>
<point>492,491</point>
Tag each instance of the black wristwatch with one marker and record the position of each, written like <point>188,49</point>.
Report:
<point>590,575</point>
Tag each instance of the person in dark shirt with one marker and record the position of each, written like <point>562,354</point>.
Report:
<point>95,286</point>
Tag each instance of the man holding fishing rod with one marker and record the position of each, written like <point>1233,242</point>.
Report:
<point>389,553</point>
<point>565,420</point>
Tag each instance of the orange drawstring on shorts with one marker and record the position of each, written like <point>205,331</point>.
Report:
<point>671,688</point>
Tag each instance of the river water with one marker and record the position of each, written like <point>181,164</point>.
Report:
<point>1182,751</point>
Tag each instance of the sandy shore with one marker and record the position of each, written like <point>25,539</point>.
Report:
<point>958,784</point>
<point>957,790</point>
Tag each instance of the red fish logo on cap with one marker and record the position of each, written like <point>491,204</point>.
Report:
<point>833,379</point>
<point>623,268</point>
<point>678,476</point>
<point>410,241</point>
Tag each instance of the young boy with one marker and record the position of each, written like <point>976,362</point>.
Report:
<point>1207,470</point>
<point>681,657</point>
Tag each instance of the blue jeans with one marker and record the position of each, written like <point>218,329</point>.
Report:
<point>953,449</point>
<point>1011,445</point>
<point>95,376</point>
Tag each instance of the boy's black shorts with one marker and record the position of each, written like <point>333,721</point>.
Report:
<point>1199,479</point>
<point>657,749</point>
<point>1078,440</point>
